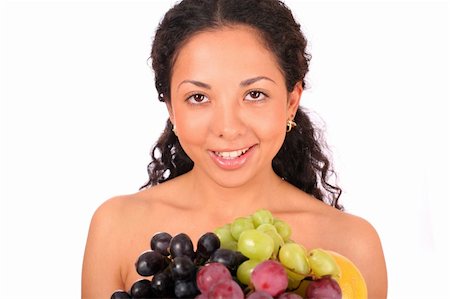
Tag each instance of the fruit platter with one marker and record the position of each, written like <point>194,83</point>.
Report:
<point>253,257</point>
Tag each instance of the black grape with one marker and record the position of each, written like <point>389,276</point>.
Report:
<point>186,289</point>
<point>120,295</point>
<point>142,289</point>
<point>160,242</point>
<point>181,245</point>
<point>150,263</point>
<point>240,258</point>
<point>226,257</point>
<point>207,244</point>
<point>162,284</point>
<point>182,268</point>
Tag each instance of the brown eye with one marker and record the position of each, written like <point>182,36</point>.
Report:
<point>255,96</point>
<point>197,98</point>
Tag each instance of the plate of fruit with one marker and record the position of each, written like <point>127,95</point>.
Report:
<point>253,257</point>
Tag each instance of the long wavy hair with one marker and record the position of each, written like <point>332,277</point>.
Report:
<point>301,160</point>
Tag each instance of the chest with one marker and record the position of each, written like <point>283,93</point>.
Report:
<point>138,238</point>
<point>306,230</point>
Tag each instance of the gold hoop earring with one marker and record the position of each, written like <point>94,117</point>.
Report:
<point>174,130</point>
<point>290,124</point>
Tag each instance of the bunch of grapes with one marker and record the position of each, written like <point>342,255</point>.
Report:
<point>253,257</point>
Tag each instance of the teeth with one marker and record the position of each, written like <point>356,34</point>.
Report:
<point>231,155</point>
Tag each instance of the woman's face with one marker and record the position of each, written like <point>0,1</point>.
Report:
<point>230,105</point>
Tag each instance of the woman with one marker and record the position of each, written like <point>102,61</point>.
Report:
<point>231,74</point>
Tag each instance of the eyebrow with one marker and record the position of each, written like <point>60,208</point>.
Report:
<point>254,80</point>
<point>197,83</point>
<point>244,83</point>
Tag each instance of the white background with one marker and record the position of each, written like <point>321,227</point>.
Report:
<point>79,115</point>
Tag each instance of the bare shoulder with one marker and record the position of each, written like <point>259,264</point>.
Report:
<point>356,233</point>
<point>122,209</point>
<point>115,214</point>
<point>357,239</point>
<point>318,225</point>
<point>112,234</point>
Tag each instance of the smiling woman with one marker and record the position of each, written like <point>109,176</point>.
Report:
<point>236,141</point>
<point>241,109</point>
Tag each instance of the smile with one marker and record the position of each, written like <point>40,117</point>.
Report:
<point>232,154</point>
<point>232,160</point>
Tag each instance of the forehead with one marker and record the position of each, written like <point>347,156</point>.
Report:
<point>226,50</point>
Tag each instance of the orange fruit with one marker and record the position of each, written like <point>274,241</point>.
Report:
<point>352,282</point>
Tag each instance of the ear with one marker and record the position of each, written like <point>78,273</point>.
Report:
<point>170,110</point>
<point>294,100</point>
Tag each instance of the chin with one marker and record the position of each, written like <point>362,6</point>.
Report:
<point>231,180</point>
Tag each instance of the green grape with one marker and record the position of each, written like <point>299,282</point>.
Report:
<point>239,225</point>
<point>226,239</point>
<point>245,269</point>
<point>283,229</point>
<point>265,227</point>
<point>277,241</point>
<point>293,284</point>
<point>322,263</point>
<point>301,290</point>
<point>255,245</point>
<point>262,216</point>
<point>294,257</point>
<point>294,276</point>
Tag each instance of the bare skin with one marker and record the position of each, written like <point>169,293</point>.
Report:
<point>229,112</point>
<point>121,229</point>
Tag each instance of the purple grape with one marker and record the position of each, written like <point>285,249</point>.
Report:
<point>324,288</point>
<point>226,257</point>
<point>289,296</point>
<point>120,294</point>
<point>211,274</point>
<point>181,245</point>
<point>270,276</point>
<point>141,289</point>
<point>185,289</point>
<point>182,268</point>
<point>207,244</point>
<point>240,258</point>
<point>259,295</point>
<point>162,284</point>
<point>226,289</point>
<point>160,242</point>
<point>150,263</point>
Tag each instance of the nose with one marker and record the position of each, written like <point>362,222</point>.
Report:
<point>228,122</point>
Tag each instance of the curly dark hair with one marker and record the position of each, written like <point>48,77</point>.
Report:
<point>301,160</point>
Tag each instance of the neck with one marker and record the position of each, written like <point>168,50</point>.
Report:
<point>208,195</point>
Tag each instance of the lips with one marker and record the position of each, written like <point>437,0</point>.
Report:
<point>232,160</point>
<point>232,154</point>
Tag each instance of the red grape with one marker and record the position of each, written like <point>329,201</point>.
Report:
<point>289,296</point>
<point>259,295</point>
<point>270,276</point>
<point>226,289</point>
<point>324,288</point>
<point>211,274</point>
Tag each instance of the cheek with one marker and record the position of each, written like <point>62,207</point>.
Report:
<point>192,128</point>
<point>273,125</point>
